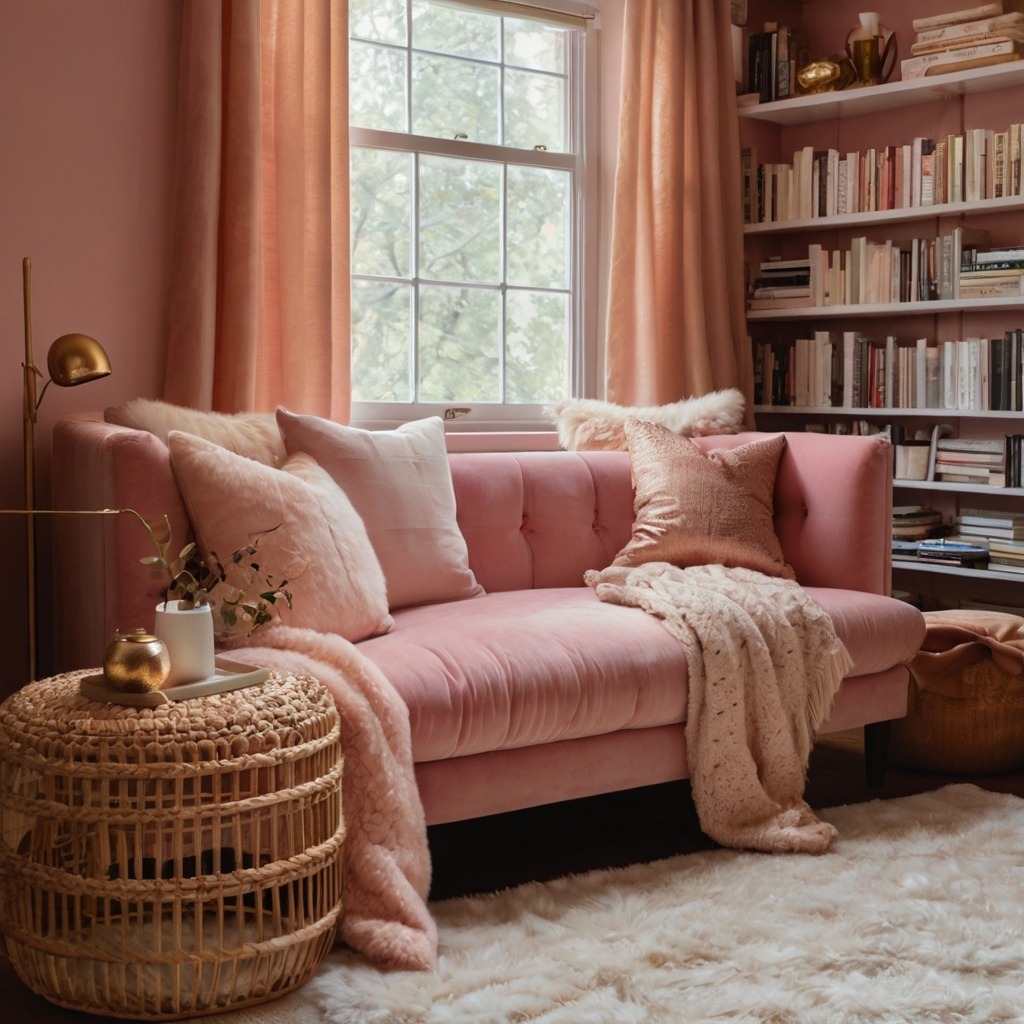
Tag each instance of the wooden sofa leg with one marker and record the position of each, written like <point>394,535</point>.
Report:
<point>876,748</point>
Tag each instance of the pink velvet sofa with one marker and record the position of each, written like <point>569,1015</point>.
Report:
<point>536,692</point>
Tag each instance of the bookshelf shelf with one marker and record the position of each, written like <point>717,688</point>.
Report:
<point>904,214</point>
<point>886,414</point>
<point>956,570</point>
<point>855,102</point>
<point>940,485</point>
<point>887,309</point>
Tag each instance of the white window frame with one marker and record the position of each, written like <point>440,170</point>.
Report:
<point>581,162</point>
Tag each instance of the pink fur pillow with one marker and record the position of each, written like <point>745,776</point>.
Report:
<point>319,544</point>
<point>400,483</point>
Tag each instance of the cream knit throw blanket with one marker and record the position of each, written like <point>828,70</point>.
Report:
<point>764,665</point>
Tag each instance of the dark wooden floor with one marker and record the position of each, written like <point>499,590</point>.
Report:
<point>598,832</point>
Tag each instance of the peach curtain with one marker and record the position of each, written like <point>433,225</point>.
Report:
<point>676,318</point>
<point>260,311</point>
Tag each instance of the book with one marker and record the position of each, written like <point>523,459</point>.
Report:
<point>918,67</point>
<point>990,10</point>
<point>974,62</point>
<point>965,29</point>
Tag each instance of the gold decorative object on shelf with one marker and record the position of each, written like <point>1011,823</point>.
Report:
<point>872,50</point>
<point>136,662</point>
<point>829,75</point>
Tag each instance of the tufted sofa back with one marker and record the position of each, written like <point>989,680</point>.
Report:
<point>533,519</point>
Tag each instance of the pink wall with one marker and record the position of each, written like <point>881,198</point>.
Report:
<point>87,101</point>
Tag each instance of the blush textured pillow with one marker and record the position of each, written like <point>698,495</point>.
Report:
<point>400,483</point>
<point>319,544</point>
<point>252,434</point>
<point>703,508</point>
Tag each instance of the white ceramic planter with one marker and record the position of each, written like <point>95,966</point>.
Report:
<point>188,634</point>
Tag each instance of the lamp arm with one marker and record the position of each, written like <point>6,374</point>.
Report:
<point>39,401</point>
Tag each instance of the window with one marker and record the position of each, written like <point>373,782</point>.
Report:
<point>469,210</point>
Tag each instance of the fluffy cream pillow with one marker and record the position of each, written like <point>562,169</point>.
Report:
<point>400,483</point>
<point>703,508</point>
<point>319,544</point>
<point>252,434</point>
<point>586,424</point>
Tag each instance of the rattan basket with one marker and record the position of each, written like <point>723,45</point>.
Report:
<point>978,734</point>
<point>173,861</point>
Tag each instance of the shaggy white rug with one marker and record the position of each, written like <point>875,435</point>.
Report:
<point>916,914</point>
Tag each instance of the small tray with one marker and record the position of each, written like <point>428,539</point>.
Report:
<point>229,675</point>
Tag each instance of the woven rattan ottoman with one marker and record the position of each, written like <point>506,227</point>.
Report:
<point>172,861</point>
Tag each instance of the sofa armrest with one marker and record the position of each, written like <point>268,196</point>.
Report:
<point>99,584</point>
<point>833,511</point>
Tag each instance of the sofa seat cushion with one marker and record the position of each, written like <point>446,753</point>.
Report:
<point>523,667</point>
<point>879,632</point>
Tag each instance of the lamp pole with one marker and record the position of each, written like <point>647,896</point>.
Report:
<point>30,442</point>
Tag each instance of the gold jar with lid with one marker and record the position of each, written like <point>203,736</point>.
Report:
<point>136,662</point>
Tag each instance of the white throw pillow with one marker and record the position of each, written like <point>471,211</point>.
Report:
<point>400,483</point>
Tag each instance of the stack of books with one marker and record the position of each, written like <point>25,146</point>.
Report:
<point>782,284</point>
<point>986,525</point>
<point>914,523</point>
<point>966,39</point>
<point>1001,532</point>
<point>953,552</point>
<point>971,460</point>
<point>998,273</point>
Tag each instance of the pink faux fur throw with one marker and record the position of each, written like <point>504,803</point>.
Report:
<point>764,664</point>
<point>387,861</point>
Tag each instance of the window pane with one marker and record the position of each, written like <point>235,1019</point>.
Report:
<point>450,96</point>
<point>460,220</point>
<point>538,227</point>
<point>376,87</point>
<point>380,212</point>
<point>536,347</point>
<point>534,111</point>
<point>532,45</point>
<point>380,342</point>
<point>450,30</point>
<point>383,20</point>
<point>459,344</point>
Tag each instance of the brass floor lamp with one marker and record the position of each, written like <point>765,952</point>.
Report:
<point>72,359</point>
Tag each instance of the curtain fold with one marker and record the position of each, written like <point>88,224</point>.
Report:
<point>676,316</point>
<point>260,311</point>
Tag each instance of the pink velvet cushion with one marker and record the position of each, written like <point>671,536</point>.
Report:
<point>400,483</point>
<point>519,668</point>
<point>318,541</point>
<point>696,507</point>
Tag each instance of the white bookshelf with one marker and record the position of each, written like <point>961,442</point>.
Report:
<point>904,214</point>
<point>768,126</point>
<point>868,309</point>
<point>855,102</point>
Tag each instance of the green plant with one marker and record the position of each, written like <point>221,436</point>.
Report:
<point>246,593</point>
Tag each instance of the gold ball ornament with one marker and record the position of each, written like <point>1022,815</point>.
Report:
<point>136,662</point>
